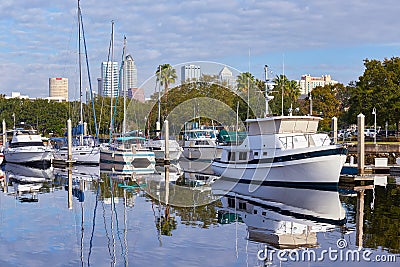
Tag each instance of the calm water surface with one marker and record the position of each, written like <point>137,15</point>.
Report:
<point>116,222</point>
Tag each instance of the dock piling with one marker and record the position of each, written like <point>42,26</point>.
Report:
<point>360,145</point>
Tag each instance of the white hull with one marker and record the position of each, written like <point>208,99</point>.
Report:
<point>126,161</point>
<point>28,154</point>
<point>173,155</point>
<point>314,170</point>
<point>158,147</point>
<point>80,154</point>
<point>202,153</point>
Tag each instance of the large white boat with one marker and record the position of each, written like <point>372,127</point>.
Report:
<point>158,147</point>
<point>201,144</point>
<point>127,154</point>
<point>283,149</point>
<point>26,147</point>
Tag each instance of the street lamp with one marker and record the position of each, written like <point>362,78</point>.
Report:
<point>374,113</point>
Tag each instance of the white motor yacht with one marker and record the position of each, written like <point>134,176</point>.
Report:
<point>283,149</point>
<point>27,147</point>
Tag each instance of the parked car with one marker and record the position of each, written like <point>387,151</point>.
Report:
<point>369,132</point>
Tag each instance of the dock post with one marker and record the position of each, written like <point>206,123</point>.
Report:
<point>166,139</point>
<point>334,130</point>
<point>158,129</point>
<point>360,145</point>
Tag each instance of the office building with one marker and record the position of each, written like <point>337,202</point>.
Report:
<point>130,74</point>
<point>110,78</point>
<point>308,83</point>
<point>190,73</point>
<point>136,93</point>
<point>226,78</point>
<point>58,88</point>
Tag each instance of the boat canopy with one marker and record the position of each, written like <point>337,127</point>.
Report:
<point>283,124</point>
<point>129,138</point>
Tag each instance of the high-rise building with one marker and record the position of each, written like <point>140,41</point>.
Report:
<point>130,73</point>
<point>99,86</point>
<point>58,88</point>
<point>190,73</point>
<point>110,78</point>
<point>308,83</point>
<point>226,77</point>
<point>136,93</point>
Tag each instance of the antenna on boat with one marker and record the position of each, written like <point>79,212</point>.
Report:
<point>267,97</point>
<point>283,80</point>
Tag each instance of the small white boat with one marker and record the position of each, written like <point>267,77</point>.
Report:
<point>201,144</point>
<point>85,153</point>
<point>127,155</point>
<point>26,147</point>
<point>283,149</point>
<point>158,147</point>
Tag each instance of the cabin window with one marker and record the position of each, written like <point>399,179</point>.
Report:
<point>242,155</point>
<point>256,153</point>
<point>264,213</point>
<point>231,202</point>
<point>242,205</point>
<point>265,153</point>
<point>231,156</point>
<point>255,211</point>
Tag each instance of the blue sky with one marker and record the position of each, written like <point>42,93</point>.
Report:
<point>38,38</point>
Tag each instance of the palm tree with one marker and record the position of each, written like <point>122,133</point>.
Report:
<point>167,75</point>
<point>245,81</point>
<point>292,91</point>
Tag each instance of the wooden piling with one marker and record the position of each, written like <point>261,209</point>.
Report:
<point>361,142</point>
<point>334,129</point>
<point>166,139</point>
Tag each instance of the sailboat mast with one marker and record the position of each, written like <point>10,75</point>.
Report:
<point>112,78</point>
<point>124,87</point>
<point>80,72</point>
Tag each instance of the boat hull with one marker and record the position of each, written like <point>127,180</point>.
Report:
<point>80,154</point>
<point>28,155</point>
<point>318,171</point>
<point>203,153</point>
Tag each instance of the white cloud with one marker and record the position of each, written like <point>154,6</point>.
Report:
<point>44,34</point>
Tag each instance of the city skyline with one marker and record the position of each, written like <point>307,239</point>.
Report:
<point>293,37</point>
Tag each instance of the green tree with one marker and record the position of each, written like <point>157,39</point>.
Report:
<point>166,75</point>
<point>378,87</point>
<point>325,104</point>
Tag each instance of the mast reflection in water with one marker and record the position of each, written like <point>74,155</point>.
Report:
<point>133,221</point>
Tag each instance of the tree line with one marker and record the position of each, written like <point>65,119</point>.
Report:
<point>378,87</point>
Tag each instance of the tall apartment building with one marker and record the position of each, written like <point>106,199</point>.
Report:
<point>308,83</point>
<point>58,88</point>
<point>110,78</point>
<point>190,73</point>
<point>130,74</point>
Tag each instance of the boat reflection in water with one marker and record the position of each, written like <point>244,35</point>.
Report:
<point>26,181</point>
<point>282,217</point>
